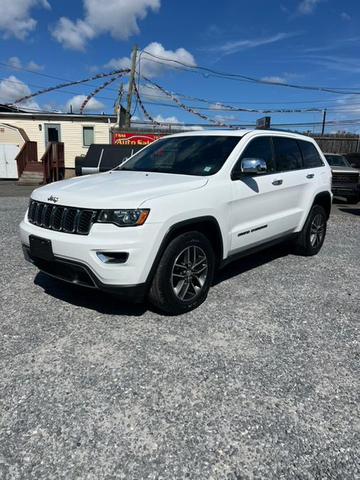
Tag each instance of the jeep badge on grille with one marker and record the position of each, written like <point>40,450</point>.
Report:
<point>53,199</point>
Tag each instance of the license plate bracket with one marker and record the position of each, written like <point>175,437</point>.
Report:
<point>41,248</point>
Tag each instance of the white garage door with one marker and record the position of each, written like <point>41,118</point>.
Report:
<point>8,167</point>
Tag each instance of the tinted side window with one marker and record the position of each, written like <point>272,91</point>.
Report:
<point>311,157</point>
<point>287,154</point>
<point>259,148</point>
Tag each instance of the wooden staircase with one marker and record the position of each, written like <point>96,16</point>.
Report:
<point>51,167</point>
<point>32,175</point>
<point>29,169</point>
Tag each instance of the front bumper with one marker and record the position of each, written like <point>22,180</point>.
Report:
<point>140,243</point>
<point>78,274</point>
<point>352,189</point>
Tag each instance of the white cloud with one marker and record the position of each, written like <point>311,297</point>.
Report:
<point>168,121</point>
<point>217,106</point>
<point>306,7</point>
<point>34,67</point>
<point>153,67</point>
<point>345,16</point>
<point>349,105</point>
<point>119,18</point>
<point>229,48</point>
<point>161,119</point>
<point>73,35</point>
<point>15,18</point>
<point>225,118</point>
<point>16,63</point>
<point>274,79</point>
<point>12,88</point>
<point>92,106</point>
<point>335,62</point>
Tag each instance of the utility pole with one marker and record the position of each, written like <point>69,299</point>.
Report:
<point>118,105</point>
<point>131,85</point>
<point>323,123</point>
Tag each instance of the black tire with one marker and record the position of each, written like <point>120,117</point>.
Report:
<point>169,274</point>
<point>305,244</point>
<point>352,199</point>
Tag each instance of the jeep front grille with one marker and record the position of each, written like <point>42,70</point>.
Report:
<point>60,218</point>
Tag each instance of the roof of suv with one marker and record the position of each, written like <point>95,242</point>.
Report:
<point>241,133</point>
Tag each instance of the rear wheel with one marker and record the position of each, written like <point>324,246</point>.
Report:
<point>184,274</point>
<point>312,236</point>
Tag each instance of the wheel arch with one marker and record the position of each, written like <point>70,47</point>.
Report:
<point>206,225</point>
<point>323,199</point>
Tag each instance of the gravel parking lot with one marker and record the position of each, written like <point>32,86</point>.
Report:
<point>260,382</point>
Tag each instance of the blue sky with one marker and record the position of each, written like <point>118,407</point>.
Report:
<point>302,42</point>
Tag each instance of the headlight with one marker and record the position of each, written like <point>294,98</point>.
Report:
<point>124,218</point>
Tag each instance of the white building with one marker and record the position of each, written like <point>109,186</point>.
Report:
<point>76,131</point>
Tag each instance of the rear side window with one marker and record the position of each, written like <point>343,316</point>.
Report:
<point>311,157</point>
<point>259,148</point>
<point>287,154</point>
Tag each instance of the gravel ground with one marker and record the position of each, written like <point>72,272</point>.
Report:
<point>260,382</point>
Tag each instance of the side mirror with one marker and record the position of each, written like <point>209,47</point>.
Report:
<point>253,166</point>
<point>250,166</point>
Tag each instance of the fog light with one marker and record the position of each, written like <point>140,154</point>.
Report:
<point>113,257</point>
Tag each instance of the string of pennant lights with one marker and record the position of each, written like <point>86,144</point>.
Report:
<point>68,84</point>
<point>186,107</point>
<point>145,112</point>
<point>222,106</point>
<point>116,74</point>
<point>97,90</point>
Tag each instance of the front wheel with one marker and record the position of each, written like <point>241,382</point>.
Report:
<point>312,236</point>
<point>184,274</point>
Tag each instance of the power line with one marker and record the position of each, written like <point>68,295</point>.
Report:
<point>178,94</point>
<point>236,76</point>
<point>188,97</point>
<point>185,107</point>
<point>243,125</point>
<point>107,98</point>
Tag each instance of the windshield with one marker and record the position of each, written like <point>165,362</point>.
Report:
<point>193,155</point>
<point>337,161</point>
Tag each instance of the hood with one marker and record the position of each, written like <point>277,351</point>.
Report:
<point>116,189</point>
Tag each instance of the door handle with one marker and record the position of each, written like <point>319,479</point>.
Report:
<point>277,182</point>
<point>310,175</point>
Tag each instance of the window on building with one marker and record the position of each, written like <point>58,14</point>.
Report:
<point>287,154</point>
<point>88,136</point>
<point>310,155</point>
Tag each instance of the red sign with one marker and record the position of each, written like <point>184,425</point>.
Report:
<point>134,139</point>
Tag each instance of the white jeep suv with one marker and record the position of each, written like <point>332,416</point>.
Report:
<point>162,223</point>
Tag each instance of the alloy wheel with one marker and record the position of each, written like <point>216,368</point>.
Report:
<point>189,273</point>
<point>317,230</point>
